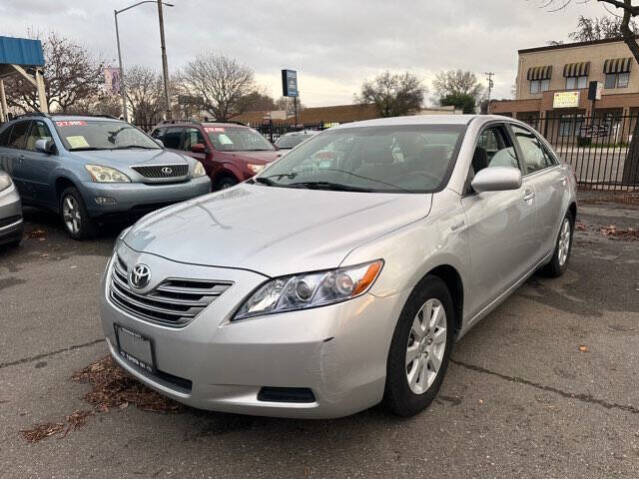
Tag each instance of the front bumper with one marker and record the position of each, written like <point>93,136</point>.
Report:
<point>339,352</point>
<point>138,199</point>
<point>11,222</point>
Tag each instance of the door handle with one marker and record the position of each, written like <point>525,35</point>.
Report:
<point>457,226</point>
<point>528,195</point>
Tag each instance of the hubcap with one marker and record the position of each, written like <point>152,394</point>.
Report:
<point>563,246</point>
<point>71,214</point>
<point>426,346</point>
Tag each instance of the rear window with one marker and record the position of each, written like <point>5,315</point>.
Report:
<point>290,141</point>
<point>4,135</point>
<point>18,135</point>
<point>237,139</point>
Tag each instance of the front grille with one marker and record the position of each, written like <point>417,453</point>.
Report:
<point>174,302</point>
<point>9,220</point>
<point>163,171</point>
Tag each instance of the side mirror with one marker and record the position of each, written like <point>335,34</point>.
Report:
<point>198,148</point>
<point>159,142</point>
<point>45,145</point>
<point>496,179</point>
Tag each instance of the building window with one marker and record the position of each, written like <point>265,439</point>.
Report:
<point>538,86</point>
<point>617,80</point>
<point>573,83</point>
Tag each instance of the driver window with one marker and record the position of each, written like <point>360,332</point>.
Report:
<point>39,131</point>
<point>192,136</point>
<point>494,149</point>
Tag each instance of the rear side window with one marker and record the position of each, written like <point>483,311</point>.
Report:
<point>535,156</point>
<point>39,130</point>
<point>158,133</point>
<point>172,137</point>
<point>4,136</point>
<point>18,135</point>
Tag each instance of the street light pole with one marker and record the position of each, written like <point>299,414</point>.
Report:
<point>122,90</point>
<point>165,65</point>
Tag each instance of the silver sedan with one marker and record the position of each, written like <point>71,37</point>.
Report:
<point>343,274</point>
<point>11,225</point>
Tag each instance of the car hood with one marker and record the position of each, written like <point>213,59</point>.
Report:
<point>261,157</point>
<point>127,158</point>
<point>273,231</point>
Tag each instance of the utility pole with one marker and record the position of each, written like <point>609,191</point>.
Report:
<point>165,65</point>
<point>122,90</point>
<point>491,84</point>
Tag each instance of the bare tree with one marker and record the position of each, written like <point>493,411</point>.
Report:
<point>393,94</point>
<point>591,29</point>
<point>258,101</point>
<point>102,104</point>
<point>145,95</point>
<point>628,12</point>
<point>71,74</point>
<point>457,83</point>
<point>221,82</point>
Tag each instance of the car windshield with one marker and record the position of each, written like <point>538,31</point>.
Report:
<point>102,135</point>
<point>290,141</point>
<point>237,139</point>
<point>403,158</point>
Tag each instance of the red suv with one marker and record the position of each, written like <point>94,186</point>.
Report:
<point>230,153</point>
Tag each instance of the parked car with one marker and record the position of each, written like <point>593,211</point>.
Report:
<point>292,139</point>
<point>92,169</point>
<point>11,224</point>
<point>326,285</point>
<point>230,152</point>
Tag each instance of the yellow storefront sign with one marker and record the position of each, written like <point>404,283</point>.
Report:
<point>566,100</point>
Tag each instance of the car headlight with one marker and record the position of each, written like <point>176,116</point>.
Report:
<point>198,171</point>
<point>5,182</point>
<point>106,174</point>
<point>308,290</point>
<point>255,168</point>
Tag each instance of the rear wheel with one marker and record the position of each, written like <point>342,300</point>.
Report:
<point>420,349</point>
<point>74,215</point>
<point>563,246</point>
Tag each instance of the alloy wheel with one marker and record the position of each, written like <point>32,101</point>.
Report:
<point>564,243</point>
<point>71,214</point>
<point>426,346</point>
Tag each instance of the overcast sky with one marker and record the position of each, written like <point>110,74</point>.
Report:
<point>334,44</point>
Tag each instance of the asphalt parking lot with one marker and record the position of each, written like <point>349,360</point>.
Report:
<point>521,397</point>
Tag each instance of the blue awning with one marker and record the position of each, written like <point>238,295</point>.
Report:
<point>21,51</point>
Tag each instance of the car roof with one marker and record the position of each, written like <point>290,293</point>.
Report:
<point>196,124</point>
<point>417,120</point>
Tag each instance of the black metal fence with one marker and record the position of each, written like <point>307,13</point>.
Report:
<point>596,147</point>
<point>273,131</point>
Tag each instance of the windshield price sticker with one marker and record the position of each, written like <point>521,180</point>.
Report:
<point>71,123</point>
<point>214,129</point>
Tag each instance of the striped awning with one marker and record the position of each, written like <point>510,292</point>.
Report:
<point>540,73</point>
<point>581,69</point>
<point>617,65</point>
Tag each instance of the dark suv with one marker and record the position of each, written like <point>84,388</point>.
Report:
<point>230,153</point>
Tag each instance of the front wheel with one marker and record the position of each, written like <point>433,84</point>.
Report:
<point>420,349</point>
<point>74,215</point>
<point>225,182</point>
<point>563,247</point>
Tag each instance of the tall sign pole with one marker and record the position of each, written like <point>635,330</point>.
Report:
<point>491,84</point>
<point>122,88</point>
<point>165,65</point>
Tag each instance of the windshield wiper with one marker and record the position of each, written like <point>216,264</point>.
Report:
<point>266,181</point>
<point>85,149</point>
<point>328,186</point>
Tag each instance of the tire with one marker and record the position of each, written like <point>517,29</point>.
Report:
<point>563,247</point>
<point>225,182</point>
<point>74,215</point>
<point>400,397</point>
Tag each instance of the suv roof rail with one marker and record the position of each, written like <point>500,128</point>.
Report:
<point>31,114</point>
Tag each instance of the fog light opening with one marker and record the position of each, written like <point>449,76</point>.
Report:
<point>105,201</point>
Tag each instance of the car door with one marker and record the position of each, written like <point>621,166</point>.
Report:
<point>548,181</point>
<point>38,165</point>
<point>15,159</point>
<point>500,225</point>
<point>5,133</point>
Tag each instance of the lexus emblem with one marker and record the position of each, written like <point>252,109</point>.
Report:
<point>140,276</point>
<point>167,171</point>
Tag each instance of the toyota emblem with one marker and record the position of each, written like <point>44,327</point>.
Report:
<point>167,171</point>
<point>140,276</point>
